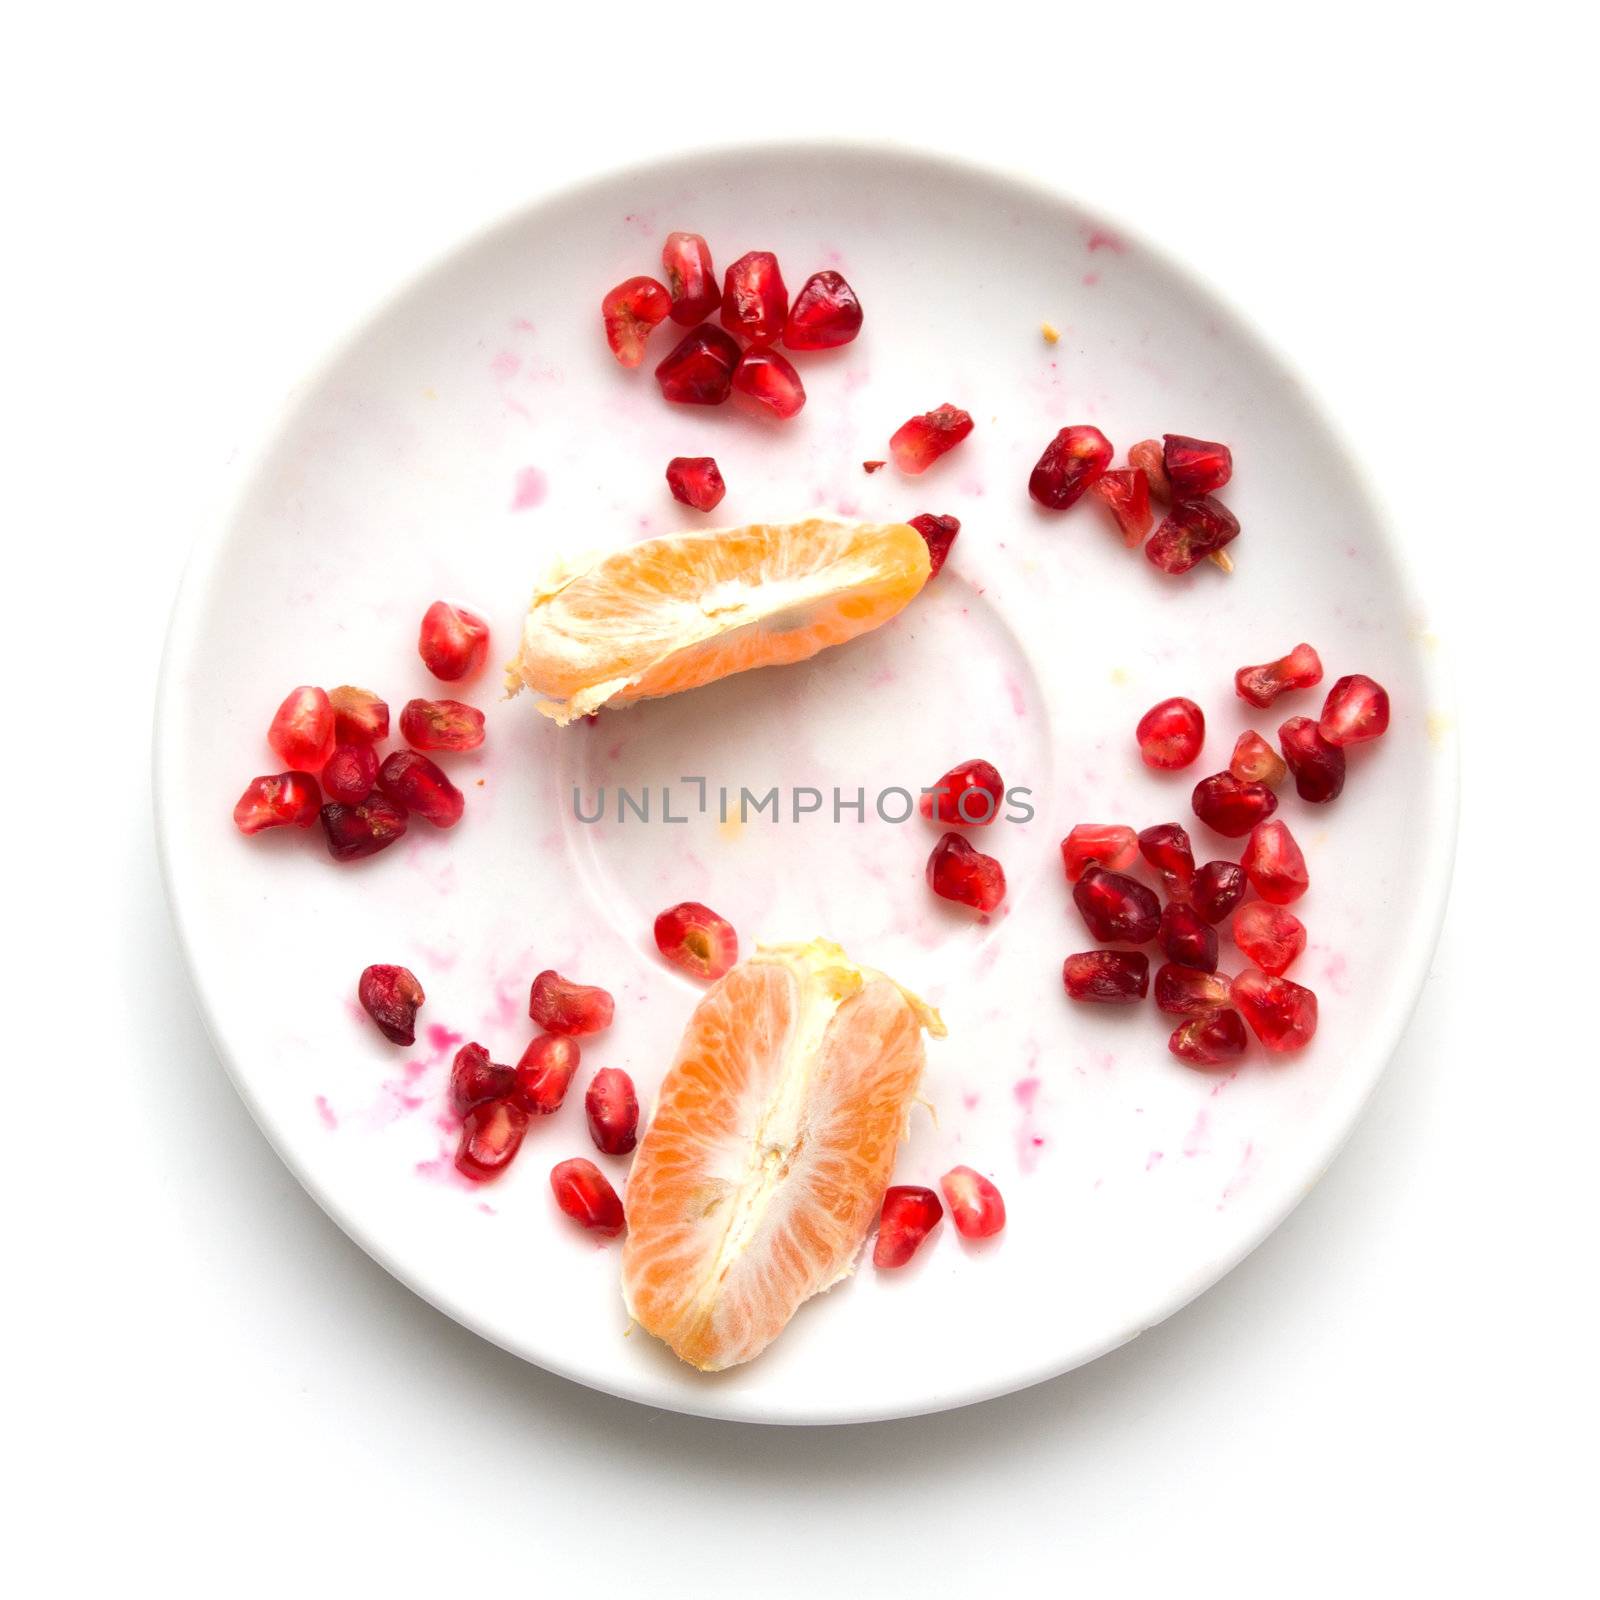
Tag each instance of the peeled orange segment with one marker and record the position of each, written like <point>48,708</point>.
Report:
<point>770,1148</point>
<point>686,609</point>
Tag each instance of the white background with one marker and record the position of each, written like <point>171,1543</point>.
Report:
<point>208,1384</point>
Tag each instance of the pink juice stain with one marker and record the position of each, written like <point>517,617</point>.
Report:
<point>1105,239</point>
<point>1195,1140</point>
<point>529,490</point>
<point>507,364</point>
<point>325,1111</point>
<point>1029,1140</point>
<point>1249,1165</point>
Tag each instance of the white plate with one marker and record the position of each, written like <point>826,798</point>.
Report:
<point>477,427</point>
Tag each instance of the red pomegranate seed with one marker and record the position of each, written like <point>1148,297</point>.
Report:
<point>938,533</point>
<point>1357,709</point>
<point>969,794</point>
<point>1281,1014</point>
<point>359,716</point>
<point>691,279</point>
<point>958,872</point>
<point>559,1005</point>
<point>1171,734</point>
<point>1230,807</point>
<point>1149,458</point>
<point>612,1108</point>
<point>1268,936</point>
<point>698,371</point>
<point>391,996</point>
<point>1218,887</point>
<point>1195,466</point>
<point>301,734</point>
<point>1107,977</point>
<point>1300,669</point>
<point>696,481</point>
<point>1167,848</point>
<point>1210,1041</point>
<point>976,1206</point>
<point>873,466</point>
<point>453,642</point>
<point>441,725</point>
<point>755,302</point>
<point>283,800</point>
<point>1191,531</point>
<point>1187,939</point>
<point>583,1192</point>
<point>414,782</point>
<point>1255,761</point>
<point>351,771</point>
<point>917,444</point>
<point>544,1073</point>
<point>1126,495</point>
<point>1116,909</point>
<point>357,831</point>
<point>909,1215</point>
<point>491,1135</point>
<point>1072,462</point>
<point>768,378</point>
<point>1106,844</point>
<point>1189,991</point>
<point>1318,766</point>
<point>631,313</point>
<point>1274,864</point>
<point>474,1078</point>
<point>696,940</point>
<point>825,314</point>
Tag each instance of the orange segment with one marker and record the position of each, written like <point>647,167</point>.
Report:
<point>770,1148</point>
<point>686,609</point>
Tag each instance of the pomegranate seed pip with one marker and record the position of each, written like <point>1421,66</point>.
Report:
<point>474,1079</point>
<point>491,1135</point>
<point>631,313</point>
<point>976,1206</point>
<point>1189,991</point>
<point>1171,734</point>
<point>1195,466</point>
<point>691,279</point>
<point>1300,669</point>
<point>1274,864</point>
<point>696,482</point>
<point>1126,495</point>
<point>1212,1040</point>
<point>544,1072</point>
<point>1187,939</point>
<point>1107,844</point>
<point>958,872</point>
<point>698,371</point>
<point>1191,531</point>
<point>413,781</point>
<point>1318,766</point>
<point>359,716</point>
<point>559,1005</point>
<point>1357,709</point>
<point>453,642</point>
<point>825,314</point>
<point>909,1214</point>
<point>350,773</point>
<point>301,734</point>
<point>585,1194</point>
<point>1167,848</point>
<point>1281,1014</point>
<point>1230,807</point>
<point>696,940</point>
<point>768,379</point>
<point>354,832</point>
<point>441,725</point>
<point>755,303</point>
<point>968,795</point>
<point>1255,761</point>
<point>938,533</point>
<point>1115,908</point>
<point>1107,977</point>
<point>1072,463</point>
<point>1269,937</point>
<point>1149,458</point>
<point>612,1109</point>
<point>283,800</point>
<point>917,444</point>
<point>391,996</point>
<point>1218,887</point>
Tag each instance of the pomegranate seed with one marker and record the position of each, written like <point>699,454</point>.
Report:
<point>612,1108</point>
<point>1281,1014</point>
<point>1217,888</point>
<point>1195,466</point>
<point>631,313</point>
<point>1255,761</point>
<point>1171,734</point>
<point>1149,458</point>
<point>414,782</point>
<point>976,1206</point>
<point>453,642</point>
<point>1357,709</point>
<point>1230,807</point>
<point>350,773</point>
<point>939,533</point>
<point>968,794</point>
<point>696,940</point>
<point>1318,766</point>
<point>1300,669</point>
<point>909,1214</point>
<point>559,1005</point>
<point>1116,909</point>
<point>1190,991</point>
<point>544,1073</point>
<point>755,302</point>
<point>1269,937</point>
<point>1071,463</point>
<point>1106,844</point>
<point>1107,977</point>
<point>917,444</point>
<point>1274,864</point>
<point>698,371</point>
<point>491,1135</point>
<point>958,872</point>
<point>357,831</point>
<point>1126,495</point>
<point>474,1078</point>
<point>301,734</point>
<point>284,800</point>
<point>696,481</point>
<point>1191,531</point>
<point>1166,847</point>
<point>359,716</point>
<point>1210,1041</point>
<point>825,314</point>
<point>769,380</point>
<point>691,279</point>
<point>391,996</point>
<point>1187,939</point>
<point>873,466</point>
<point>583,1192</point>
<point>441,725</point>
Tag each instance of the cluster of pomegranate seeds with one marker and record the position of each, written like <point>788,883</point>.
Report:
<point>1126,495</point>
<point>391,996</point>
<point>441,725</point>
<point>910,1213</point>
<point>1107,977</point>
<point>825,314</point>
<point>1230,807</point>
<point>612,1109</point>
<point>915,445</point>
<point>691,279</point>
<point>1115,908</point>
<point>968,794</point>
<point>938,533</point>
<point>958,872</point>
<point>1300,669</point>
<point>696,940</point>
<point>559,1005</point>
<point>544,1073</point>
<point>699,369</point>
<point>302,730</point>
<point>585,1194</point>
<point>630,313</point>
<point>476,1080</point>
<point>1269,937</point>
<point>1105,844</point>
<point>284,800</point>
<point>1072,462</point>
<point>355,832</point>
<point>350,773</point>
<point>976,1207</point>
<point>1356,710</point>
<point>359,715</point>
<point>453,642</point>
<point>418,784</point>
<point>1273,863</point>
<point>1171,733</point>
<point>769,380</point>
<point>696,482</point>
<point>1255,761</point>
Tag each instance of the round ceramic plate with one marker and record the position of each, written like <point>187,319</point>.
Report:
<point>478,428</point>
